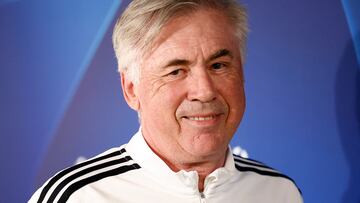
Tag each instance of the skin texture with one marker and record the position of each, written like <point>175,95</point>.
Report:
<point>190,94</point>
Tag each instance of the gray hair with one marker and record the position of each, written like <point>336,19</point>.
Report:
<point>143,20</point>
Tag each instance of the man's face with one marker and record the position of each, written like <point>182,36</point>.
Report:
<point>190,94</point>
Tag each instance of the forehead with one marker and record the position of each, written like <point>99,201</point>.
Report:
<point>201,32</point>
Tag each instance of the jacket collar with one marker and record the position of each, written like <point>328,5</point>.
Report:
<point>182,181</point>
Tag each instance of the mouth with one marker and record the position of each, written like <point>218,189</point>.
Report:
<point>200,118</point>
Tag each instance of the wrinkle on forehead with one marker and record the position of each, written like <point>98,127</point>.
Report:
<point>176,37</point>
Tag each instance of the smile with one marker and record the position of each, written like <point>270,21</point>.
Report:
<point>200,118</point>
<point>209,120</point>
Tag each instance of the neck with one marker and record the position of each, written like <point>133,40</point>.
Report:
<point>203,165</point>
<point>203,168</point>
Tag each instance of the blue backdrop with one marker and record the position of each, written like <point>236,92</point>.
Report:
<point>60,93</point>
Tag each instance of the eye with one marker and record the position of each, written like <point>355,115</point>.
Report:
<point>217,66</point>
<point>175,72</point>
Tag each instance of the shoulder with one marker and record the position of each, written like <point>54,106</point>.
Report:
<point>60,187</point>
<point>259,171</point>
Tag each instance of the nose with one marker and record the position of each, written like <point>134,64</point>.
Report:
<point>201,87</point>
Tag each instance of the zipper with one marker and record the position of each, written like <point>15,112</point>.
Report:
<point>202,197</point>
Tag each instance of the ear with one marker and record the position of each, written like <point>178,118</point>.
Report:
<point>129,92</point>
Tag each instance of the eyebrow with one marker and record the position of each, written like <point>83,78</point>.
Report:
<point>184,62</point>
<point>220,53</point>
<point>177,62</point>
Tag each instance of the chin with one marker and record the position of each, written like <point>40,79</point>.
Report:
<point>207,148</point>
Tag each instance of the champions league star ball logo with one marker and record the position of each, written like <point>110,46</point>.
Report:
<point>237,150</point>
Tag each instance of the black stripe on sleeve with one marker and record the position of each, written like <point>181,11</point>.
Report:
<point>79,184</point>
<point>251,162</point>
<point>53,180</point>
<point>261,172</point>
<point>266,173</point>
<point>84,172</point>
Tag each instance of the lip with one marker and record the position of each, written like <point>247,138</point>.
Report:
<point>202,119</point>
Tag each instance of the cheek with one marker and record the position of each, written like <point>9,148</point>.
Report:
<point>237,106</point>
<point>164,102</point>
<point>173,95</point>
<point>233,94</point>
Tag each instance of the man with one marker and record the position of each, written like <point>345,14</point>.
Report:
<point>181,70</point>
